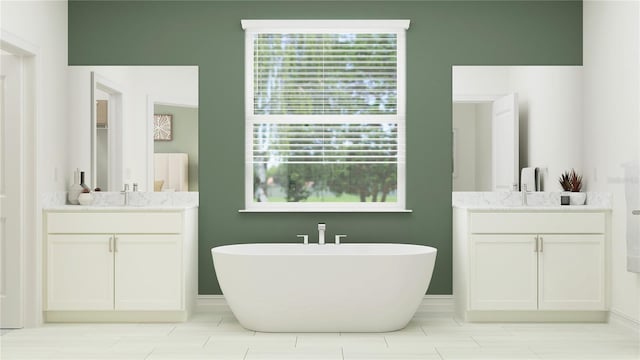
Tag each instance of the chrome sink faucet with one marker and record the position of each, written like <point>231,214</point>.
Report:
<point>524,192</point>
<point>321,229</point>
<point>125,192</point>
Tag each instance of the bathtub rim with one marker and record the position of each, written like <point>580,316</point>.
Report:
<point>407,249</point>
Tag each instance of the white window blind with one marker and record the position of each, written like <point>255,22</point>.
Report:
<point>325,114</point>
<point>325,143</point>
<point>341,74</point>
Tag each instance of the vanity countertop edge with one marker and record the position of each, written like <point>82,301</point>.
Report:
<point>556,208</point>
<point>81,208</point>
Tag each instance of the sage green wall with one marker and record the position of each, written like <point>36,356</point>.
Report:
<point>185,137</point>
<point>442,34</point>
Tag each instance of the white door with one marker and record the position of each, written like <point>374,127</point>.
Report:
<point>571,272</point>
<point>505,143</point>
<point>503,272</point>
<point>79,272</point>
<point>148,272</point>
<point>11,236</point>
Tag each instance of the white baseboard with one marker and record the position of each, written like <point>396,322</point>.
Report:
<point>437,303</point>
<point>430,303</point>
<point>620,318</point>
<point>211,303</point>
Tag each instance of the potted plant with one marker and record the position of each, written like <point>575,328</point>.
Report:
<point>571,182</point>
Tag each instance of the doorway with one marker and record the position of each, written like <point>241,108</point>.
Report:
<point>472,146</point>
<point>106,134</point>
<point>18,188</point>
<point>485,143</point>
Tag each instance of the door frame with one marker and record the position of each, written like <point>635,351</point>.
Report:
<point>31,219</point>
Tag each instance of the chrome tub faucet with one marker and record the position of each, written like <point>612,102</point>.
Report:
<point>321,229</point>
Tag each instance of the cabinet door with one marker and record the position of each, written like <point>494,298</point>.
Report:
<point>148,272</point>
<point>571,272</point>
<point>503,272</point>
<point>79,272</point>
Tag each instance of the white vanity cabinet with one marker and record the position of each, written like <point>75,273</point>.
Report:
<point>79,272</point>
<point>124,265</point>
<point>503,273</point>
<point>571,272</point>
<point>530,265</point>
<point>154,285</point>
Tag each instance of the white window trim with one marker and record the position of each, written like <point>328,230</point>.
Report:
<point>326,26</point>
<point>398,27</point>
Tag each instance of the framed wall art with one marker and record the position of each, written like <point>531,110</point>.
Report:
<point>162,127</point>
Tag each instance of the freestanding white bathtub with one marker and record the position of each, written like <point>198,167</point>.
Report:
<point>324,288</point>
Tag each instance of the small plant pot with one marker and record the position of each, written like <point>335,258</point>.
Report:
<point>577,198</point>
<point>85,199</point>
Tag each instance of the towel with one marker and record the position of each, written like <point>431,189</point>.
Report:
<point>542,174</point>
<point>528,179</point>
<point>632,198</point>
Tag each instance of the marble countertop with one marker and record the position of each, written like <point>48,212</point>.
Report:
<point>537,201</point>
<point>113,201</point>
<point>90,208</point>
<point>525,208</point>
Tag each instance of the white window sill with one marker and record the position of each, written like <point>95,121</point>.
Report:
<point>324,211</point>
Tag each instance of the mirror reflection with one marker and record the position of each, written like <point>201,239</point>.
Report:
<point>143,126</point>
<point>175,148</point>
<point>515,126</point>
<point>102,138</point>
<point>106,134</point>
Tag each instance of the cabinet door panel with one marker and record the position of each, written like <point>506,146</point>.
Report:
<point>79,272</point>
<point>148,272</point>
<point>503,272</point>
<point>571,272</point>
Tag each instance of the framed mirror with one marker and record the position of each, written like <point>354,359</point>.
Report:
<point>515,125</point>
<point>112,126</point>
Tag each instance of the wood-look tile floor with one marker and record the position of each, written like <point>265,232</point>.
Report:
<point>219,336</point>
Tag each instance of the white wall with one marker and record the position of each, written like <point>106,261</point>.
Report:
<point>480,80</point>
<point>550,101</point>
<point>611,43</point>
<point>43,24</point>
<point>165,84</point>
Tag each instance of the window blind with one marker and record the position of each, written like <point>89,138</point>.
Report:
<point>325,73</point>
<point>325,143</point>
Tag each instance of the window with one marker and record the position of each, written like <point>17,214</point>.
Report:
<point>325,115</point>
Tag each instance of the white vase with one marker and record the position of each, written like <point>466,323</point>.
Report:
<point>85,199</point>
<point>74,190</point>
<point>577,198</point>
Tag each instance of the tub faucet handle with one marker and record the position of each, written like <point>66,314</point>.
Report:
<point>322,227</point>
<point>338,237</point>
<point>305,238</point>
